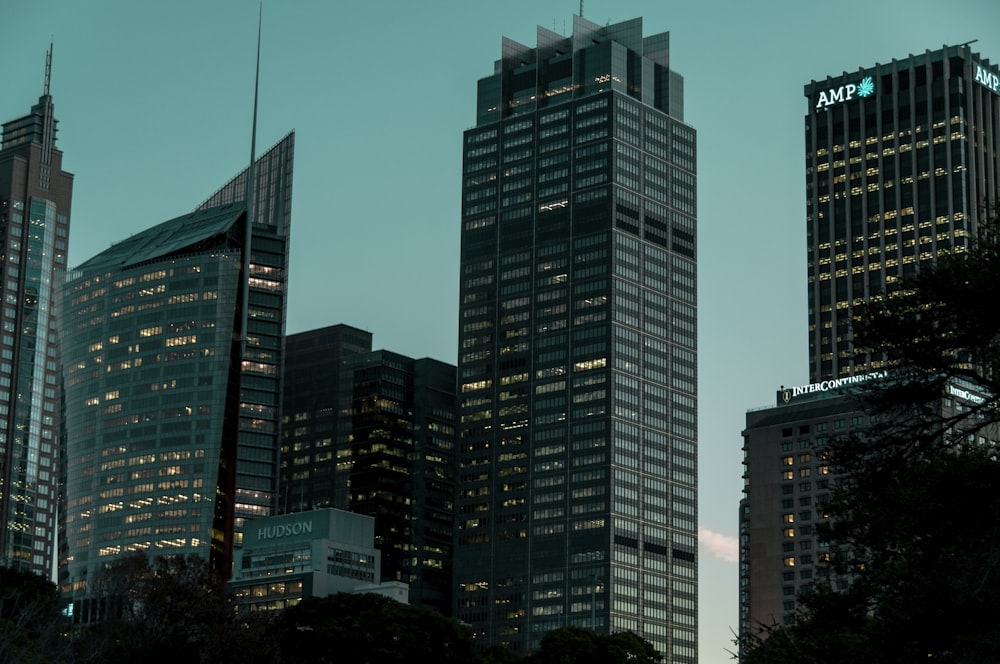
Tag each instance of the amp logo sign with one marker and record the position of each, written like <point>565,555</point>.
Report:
<point>987,79</point>
<point>864,88</point>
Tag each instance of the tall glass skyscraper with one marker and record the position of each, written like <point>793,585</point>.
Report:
<point>900,160</point>
<point>35,197</point>
<point>172,425</point>
<point>578,358</point>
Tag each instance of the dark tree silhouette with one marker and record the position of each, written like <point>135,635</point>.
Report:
<point>370,628</point>
<point>169,610</point>
<point>575,645</point>
<point>31,625</point>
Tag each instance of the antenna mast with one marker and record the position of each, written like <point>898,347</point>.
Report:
<point>48,124</point>
<point>581,8</point>
<point>48,70</point>
<point>251,196</point>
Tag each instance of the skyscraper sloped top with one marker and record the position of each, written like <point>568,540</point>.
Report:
<point>273,188</point>
<point>198,231</point>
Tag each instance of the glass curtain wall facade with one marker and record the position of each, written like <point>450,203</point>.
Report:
<point>900,160</point>
<point>151,373</point>
<point>578,361</point>
<point>35,198</point>
<point>172,429</point>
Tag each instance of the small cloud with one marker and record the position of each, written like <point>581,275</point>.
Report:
<point>723,547</point>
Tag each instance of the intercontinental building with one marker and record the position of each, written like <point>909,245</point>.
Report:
<point>787,479</point>
<point>35,197</point>
<point>172,425</point>
<point>901,159</point>
<point>577,364</point>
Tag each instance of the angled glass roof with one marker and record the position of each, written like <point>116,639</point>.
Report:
<point>188,233</point>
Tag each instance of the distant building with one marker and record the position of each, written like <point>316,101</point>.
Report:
<point>35,199</point>
<point>373,432</point>
<point>577,501</point>
<point>172,427</point>
<point>900,160</point>
<point>316,553</point>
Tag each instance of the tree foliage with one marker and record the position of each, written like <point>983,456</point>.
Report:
<point>574,645</point>
<point>168,610</point>
<point>173,609</point>
<point>915,512</point>
<point>31,625</point>
<point>369,628</point>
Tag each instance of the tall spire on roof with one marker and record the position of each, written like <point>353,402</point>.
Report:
<point>251,192</point>
<point>48,70</point>
<point>48,124</point>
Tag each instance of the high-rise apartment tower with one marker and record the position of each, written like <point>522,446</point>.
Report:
<point>578,358</point>
<point>900,160</point>
<point>35,196</point>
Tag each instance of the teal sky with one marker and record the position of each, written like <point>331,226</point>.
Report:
<point>154,101</point>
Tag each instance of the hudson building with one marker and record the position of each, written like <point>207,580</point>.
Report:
<point>35,197</point>
<point>901,159</point>
<point>373,432</point>
<point>321,552</point>
<point>172,419</point>
<point>578,358</point>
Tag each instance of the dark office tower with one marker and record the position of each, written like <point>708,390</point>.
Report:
<point>402,440</point>
<point>260,385</point>
<point>317,402</point>
<point>167,417</point>
<point>374,433</point>
<point>900,160</point>
<point>577,360</point>
<point>35,195</point>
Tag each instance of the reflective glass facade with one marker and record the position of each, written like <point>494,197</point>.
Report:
<point>578,358</point>
<point>35,197</point>
<point>150,371</point>
<point>900,160</point>
<point>172,422</point>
